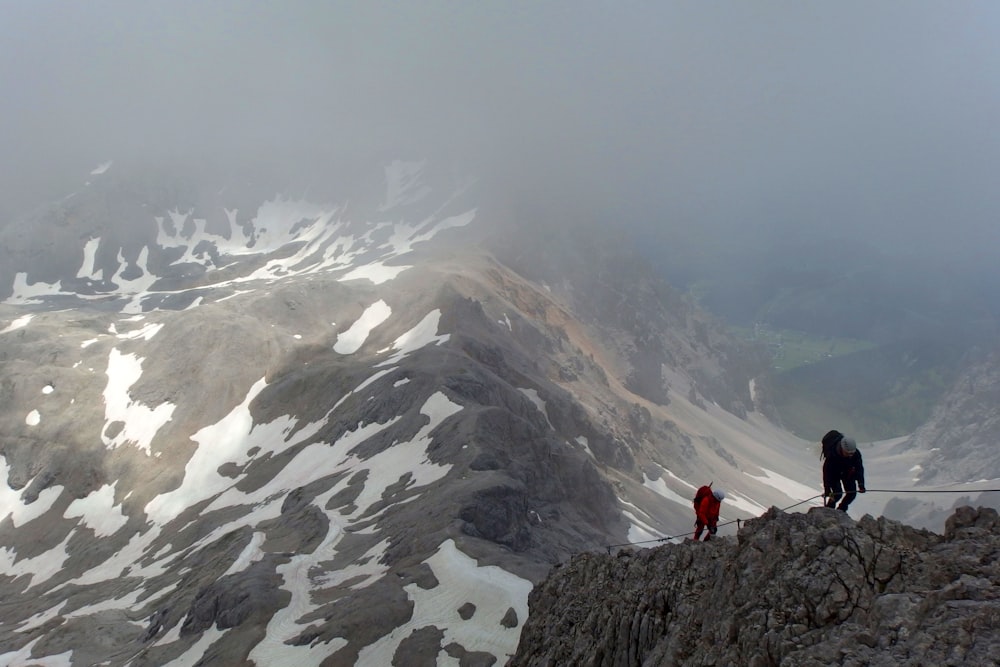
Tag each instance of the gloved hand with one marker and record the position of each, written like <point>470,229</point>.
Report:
<point>713,530</point>
<point>861,489</point>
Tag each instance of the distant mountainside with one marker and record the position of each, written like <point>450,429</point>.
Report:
<point>791,589</point>
<point>962,434</point>
<point>842,287</point>
<point>918,317</point>
<point>241,427</point>
<point>883,392</point>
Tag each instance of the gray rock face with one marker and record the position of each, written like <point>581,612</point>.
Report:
<point>792,589</point>
<point>962,433</point>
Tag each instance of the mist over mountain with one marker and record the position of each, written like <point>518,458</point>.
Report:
<point>326,332</point>
<point>858,336</point>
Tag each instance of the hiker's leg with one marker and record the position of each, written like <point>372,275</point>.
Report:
<point>829,483</point>
<point>836,490</point>
<point>699,527</point>
<point>851,486</point>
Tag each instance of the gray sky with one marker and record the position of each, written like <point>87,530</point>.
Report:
<point>745,118</point>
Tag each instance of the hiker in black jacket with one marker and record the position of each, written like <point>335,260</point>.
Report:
<point>843,470</point>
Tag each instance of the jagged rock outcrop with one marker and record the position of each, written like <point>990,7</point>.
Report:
<point>792,590</point>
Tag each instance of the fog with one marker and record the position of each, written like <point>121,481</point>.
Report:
<point>745,122</point>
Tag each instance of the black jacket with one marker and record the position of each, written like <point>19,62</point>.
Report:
<point>844,467</point>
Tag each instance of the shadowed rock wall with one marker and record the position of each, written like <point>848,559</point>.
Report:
<point>793,589</point>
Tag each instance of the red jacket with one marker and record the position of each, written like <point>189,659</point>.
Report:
<point>707,510</point>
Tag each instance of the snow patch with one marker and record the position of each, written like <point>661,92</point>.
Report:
<point>140,423</point>
<point>678,479</point>
<point>41,618</point>
<point>125,561</point>
<point>461,580</point>
<point>196,651</point>
<point>229,440</point>
<point>791,488</point>
<point>350,341</point>
<point>41,567</point>
<point>639,530</point>
<point>23,657</point>
<point>12,502</point>
<point>660,488</point>
<point>284,626</point>
<point>743,503</point>
<point>89,268</point>
<point>376,272</point>
<point>146,332</point>
<point>23,294</point>
<point>424,333</point>
<point>98,511</point>
<point>360,573</point>
<point>101,168</point>
<point>533,396</point>
<point>126,601</point>
<point>251,554</point>
<point>19,323</point>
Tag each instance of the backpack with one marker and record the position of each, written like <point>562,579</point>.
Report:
<point>830,442</point>
<point>701,493</point>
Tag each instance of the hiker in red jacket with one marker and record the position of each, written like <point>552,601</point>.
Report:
<point>706,508</point>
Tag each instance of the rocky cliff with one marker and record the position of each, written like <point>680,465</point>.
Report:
<point>791,589</point>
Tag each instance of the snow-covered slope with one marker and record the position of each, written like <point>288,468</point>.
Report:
<point>284,432</point>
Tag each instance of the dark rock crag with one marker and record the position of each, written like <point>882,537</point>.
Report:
<point>791,590</point>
